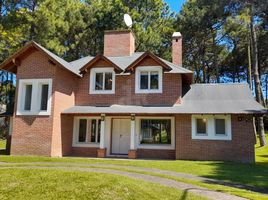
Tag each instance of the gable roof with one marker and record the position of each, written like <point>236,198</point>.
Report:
<point>61,62</point>
<point>121,63</point>
<point>96,59</point>
<point>136,62</point>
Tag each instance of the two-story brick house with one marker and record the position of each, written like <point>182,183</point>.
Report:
<point>126,103</point>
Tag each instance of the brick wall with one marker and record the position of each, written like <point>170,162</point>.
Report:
<point>84,151</point>
<point>177,50</point>
<point>119,43</point>
<point>125,90</point>
<point>156,153</point>
<point>65,86</point>
<point>41,135</point>
<point>240,148</point>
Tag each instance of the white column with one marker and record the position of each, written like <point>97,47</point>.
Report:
<point>102,131</point>
<point>132,132</point>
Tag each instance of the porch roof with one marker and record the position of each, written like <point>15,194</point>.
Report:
<point>200,99</point>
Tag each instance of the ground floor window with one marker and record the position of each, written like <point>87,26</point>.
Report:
<point>211,127</point>
<point>87,130</point>
<point>155,131</point>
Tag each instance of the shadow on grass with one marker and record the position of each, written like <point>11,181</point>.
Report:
<point>3,152</point>
<point>252,177</point>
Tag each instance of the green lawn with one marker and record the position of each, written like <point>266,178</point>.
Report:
<point>262,152</point>
<point>56,184</point>
<point>2,144</point>
<point>249,174</point>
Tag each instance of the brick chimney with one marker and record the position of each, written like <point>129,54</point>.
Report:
<point>119,43</point>
<point>177,48</point>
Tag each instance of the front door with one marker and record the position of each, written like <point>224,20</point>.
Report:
<point>121,136</point>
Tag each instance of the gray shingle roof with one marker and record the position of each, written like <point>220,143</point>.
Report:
<point>220,98</point>
<point>121,61</point>
<point>175,68</point>
<point>200,99</point>
<point>78,64</point>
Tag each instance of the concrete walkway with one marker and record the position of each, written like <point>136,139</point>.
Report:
<point>211,194</point>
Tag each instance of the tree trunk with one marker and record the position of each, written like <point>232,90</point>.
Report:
<point>250,83</point>
<point>257,82</point>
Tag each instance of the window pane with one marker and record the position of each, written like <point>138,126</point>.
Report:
<point>155,131</point>
<point>108,81</point>
<point>99,128</point>
<point>44,97</point>
<point>220,126</point>
<point>82,130</point>
<point>154,80</point>
<point>99,81</point>
<point>201,126</point>
<point>93,130</point>
<point>144,80</point>
<point>28,97</point>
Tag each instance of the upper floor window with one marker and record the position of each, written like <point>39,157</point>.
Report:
<point>102,81</point>
<point>34,97</point>
<point>148,79</point>
<point>211,127</point>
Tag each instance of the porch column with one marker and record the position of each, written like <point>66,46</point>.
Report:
<point>102,150</point>
<point>132,154</point>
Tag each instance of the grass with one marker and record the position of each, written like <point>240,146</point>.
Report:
<point>2,144</point>
<point>255,175</point>
<point>57,184</point>
<point>262,152</point>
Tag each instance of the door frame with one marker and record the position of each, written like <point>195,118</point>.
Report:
<point>112,130</point>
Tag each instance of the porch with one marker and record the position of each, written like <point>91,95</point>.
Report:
<point>120,136</point>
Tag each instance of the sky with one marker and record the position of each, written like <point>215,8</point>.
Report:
<point>175,5</point>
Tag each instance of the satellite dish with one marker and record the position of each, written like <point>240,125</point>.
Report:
<point>128,20</point>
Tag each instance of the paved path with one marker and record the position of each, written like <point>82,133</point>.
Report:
<point>211,194</point>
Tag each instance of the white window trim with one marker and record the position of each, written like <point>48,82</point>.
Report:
<point>36,97</point>
<point>75,142</point>
<point>155,146</point>
<point>146,69</point>
<point>211,129</point>
<point>93,72</point>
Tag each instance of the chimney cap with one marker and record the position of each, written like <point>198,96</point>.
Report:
<point>176,35</point>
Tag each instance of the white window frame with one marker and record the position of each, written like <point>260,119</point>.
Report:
<point>148,69</point>
<point>92,82</point>
<point>155,146</point>
<point>211,128</point>
<point>75,142</point>
<point>36,97</point>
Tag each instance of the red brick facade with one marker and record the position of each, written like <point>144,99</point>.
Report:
<point>240,148</point>
<point>125,90</point>
<point>52,135</point>
<point>41,135</point>
<point>156,153</point>
<point>177,50</point>
<point>119,43</point>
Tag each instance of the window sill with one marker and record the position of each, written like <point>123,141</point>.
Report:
<point>43,113</point>
<point>156,146</point>
<point>148,91</point>
<point>216,137</point>
<point>86,145</point>
<point>102,92</point>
